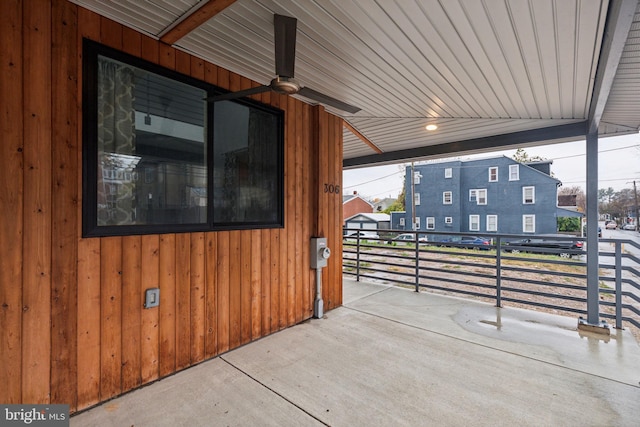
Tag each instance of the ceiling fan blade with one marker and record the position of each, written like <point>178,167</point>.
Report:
<point>285,44</point>
<point>327,100</point>
<point>239,94</point>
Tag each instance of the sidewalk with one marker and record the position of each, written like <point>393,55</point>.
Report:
<point>391,357</point>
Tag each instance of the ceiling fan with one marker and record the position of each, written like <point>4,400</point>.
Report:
<point>285,29</point>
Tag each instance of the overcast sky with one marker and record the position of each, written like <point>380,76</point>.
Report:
<point>619,164</point>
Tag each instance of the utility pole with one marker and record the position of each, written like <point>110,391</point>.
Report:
<point>635,196</point>
<point>413,199</point>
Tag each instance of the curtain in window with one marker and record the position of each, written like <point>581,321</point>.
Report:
<point>116,144</point>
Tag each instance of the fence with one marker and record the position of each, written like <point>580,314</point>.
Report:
<point>547,273</point>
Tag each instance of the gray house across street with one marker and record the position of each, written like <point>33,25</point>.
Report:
<point>494,195</point>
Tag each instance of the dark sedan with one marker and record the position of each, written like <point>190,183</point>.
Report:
<point>467,242</point>
<point>550,245</point>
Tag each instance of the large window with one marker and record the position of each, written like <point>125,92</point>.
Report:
<point>157,158</point>
<point>492,222</point>
<point>479,196</point>
<point>493,174</point>
<point>514,172</point>
<point>447,198</point>
<point>431,223</point>
<point>474,222</point>
<point>528,195</point>
<point>529,223</point>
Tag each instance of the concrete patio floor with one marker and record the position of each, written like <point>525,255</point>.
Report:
<point>392,357</point>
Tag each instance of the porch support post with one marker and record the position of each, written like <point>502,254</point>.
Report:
<point>592,322</point>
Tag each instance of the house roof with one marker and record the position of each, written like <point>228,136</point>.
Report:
<point>488,74</point>
<point>348,197</point>
<point>377,217</point>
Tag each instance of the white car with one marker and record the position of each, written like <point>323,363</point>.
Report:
<point>405,238</point>
<point>631,227</point>
<point>363,235</point>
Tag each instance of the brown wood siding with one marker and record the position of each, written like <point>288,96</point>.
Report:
<point>71,309</point>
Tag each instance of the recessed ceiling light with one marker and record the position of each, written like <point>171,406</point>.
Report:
<point>431,127</point>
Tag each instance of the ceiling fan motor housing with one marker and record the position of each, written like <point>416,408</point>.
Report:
<point>285,85</point>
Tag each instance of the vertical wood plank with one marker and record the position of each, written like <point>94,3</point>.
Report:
<point>209,72</point>
<point>265,281</point>
<point>235,292</point>
<point>64,205</point>
<point>197,316</point>
<point>223,292</point>
<point>88,322</point>
<point>110,33</point>
<point>131,41</point>
<point>167,304</point>
<point>150,318</point>
<point>36,295</point>
<point>283,235</point>
<point>337,212</point>
<point>88,335</point>
<point>256,300</point>
<point>132,303</point>
<point>150,338</point>
<point>210,297</point>
<point>183,300</point>
<point>301,194</point>
<point>291,196</point>
<point>245,286</point>
<point>111,313</point>
<point>307,160</point>
<point>274,265</point>
<point>11,200</point>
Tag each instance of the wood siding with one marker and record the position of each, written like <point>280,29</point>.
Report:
<point>71,309</point>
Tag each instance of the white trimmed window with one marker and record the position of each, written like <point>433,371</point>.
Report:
<point>448,220</point>
<point>416,198</point>
<point>431,223</point>
<point>482,196</point>
<point>474,222</point>
<point>473,195</point>
<point>447,198</point>
<point>492,222</point>
<point>529,223</point>
<point>448,173</point>
<point>493,174</point>
<point>528,195</point>
<point>417,224</point>
<point>401,222</point>
<point>514,172</point>
<point>416,178</point>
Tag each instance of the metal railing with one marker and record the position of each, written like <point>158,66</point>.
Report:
<point>502,271</point>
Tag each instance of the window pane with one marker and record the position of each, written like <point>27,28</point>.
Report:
<point>246,165</point>
<point>151,148</point>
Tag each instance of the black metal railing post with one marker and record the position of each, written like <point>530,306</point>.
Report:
<point>498,272</point>
<point>417,260</point>
<point>357,257</point>
<point>618,265</point>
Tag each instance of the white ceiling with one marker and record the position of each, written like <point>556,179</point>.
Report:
<point>487,72</point>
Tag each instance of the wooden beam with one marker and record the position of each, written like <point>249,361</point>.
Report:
<point>193,19</point>
<point>362,137</point>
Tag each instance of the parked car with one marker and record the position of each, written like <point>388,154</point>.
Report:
<point>404,238</point>
<point>467,242</point>
<point>363,235</point>
<point>610,225</point>
<point>546,245</point>
<point>631,227</point>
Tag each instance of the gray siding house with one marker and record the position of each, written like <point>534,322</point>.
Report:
<point>495,195</point>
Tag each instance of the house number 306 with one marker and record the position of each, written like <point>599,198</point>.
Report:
<point>332,188</point>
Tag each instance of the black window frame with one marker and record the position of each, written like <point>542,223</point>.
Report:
<point>90,227</point>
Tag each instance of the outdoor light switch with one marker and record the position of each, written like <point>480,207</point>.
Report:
<point>152,298</point>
